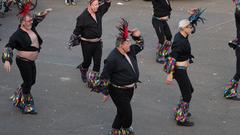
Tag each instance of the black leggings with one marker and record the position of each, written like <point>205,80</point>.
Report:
<point>237,75</point>
<point>237,21</point>
<point>237,50</point>
<point>122,99</point>
<point>28,73</point>
<point>162,29</point>
<point>181,76</point>
<point>92,51</point>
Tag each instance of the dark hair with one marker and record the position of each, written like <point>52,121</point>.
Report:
<point>22,18</point>
<point>91,1</point>
<point>118,42</point>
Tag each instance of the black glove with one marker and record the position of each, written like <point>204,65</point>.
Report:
<point>73,41</point>
<point>191,59</point>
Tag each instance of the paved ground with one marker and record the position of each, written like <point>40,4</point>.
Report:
<point>65,105</point>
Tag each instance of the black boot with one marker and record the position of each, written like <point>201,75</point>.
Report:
<point>230,90</point>
<point>6,7</point>
<point>83,72</point>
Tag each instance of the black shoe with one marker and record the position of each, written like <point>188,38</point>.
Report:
<point>234,98</point>
<point>233,44</point>
<point>83,73</point>
<point>32,112</point>
<point>84,78</point>
<point>186,123</point>
<point>158,60</point>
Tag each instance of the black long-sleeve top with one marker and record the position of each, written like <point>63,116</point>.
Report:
<point>87,27</point>
<point>161,8</point>
<point>21,41</point>
<point>117,68</point>
<point>181,49</point>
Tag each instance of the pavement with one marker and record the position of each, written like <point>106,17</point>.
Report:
<point>66,106</point>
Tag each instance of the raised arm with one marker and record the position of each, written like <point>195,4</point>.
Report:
<point>138,46</point>
<point>40,16</point>
<point>103,8</point>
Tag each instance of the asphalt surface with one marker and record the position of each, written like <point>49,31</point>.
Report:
<point>67,107</point>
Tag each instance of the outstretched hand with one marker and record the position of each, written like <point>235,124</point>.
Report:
<point>45,12</point>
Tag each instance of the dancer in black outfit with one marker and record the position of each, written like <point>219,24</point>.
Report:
<point>88,31</point>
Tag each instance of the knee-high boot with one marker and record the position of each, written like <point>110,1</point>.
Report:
<point>182,115</point>
<point>230,90</point>
<point>83,72</point>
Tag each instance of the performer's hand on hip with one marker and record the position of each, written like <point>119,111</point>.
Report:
<point>105,98</point>
<point>169,79</point>
<point>7,66</point>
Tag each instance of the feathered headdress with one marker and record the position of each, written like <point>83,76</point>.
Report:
<point>25,10</point>
<point>196,16</point>
<point>123,30</point>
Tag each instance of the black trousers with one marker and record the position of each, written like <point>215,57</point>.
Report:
<point>237,75</point>
<point>237,22</point>
<point>92,51</point>
<point>27,69</point>
<point>181,76</point>
<point>122,99</point>
<point>237,50</point>
<point>162,29</point>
